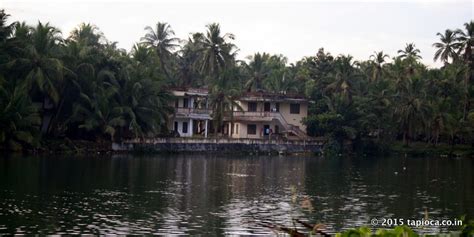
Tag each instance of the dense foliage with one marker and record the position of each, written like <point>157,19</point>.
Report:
<point>83,87</point>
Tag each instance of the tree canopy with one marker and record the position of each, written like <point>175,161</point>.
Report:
<point>81,86</point>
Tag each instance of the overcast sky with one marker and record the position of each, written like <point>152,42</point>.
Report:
<point>294,29</point>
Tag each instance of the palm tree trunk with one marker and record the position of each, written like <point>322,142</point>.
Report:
<point>54,119</point>
<point>164,68</point>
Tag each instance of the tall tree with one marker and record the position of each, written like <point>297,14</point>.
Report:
<point>257,69</point>
<point>222,98</point>
<point>466,40</point>
<point>162,40</point>
<point>410,52</point>
<point>378,59</point>
<point>447,46</point>
<point>344,78</point>
<point>467,43</point>
<point>217,51</point>
<point>40,62</point>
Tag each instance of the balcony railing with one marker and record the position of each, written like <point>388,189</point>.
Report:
<point>255,114</point>
<point>193,111</point>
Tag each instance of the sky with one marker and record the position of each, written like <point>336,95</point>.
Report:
<point>293,28</point>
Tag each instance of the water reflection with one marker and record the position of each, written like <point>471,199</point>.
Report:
<point>221,195</point>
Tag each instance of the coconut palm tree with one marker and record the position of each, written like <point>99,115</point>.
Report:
<point>222,98</point>
<point>410,51</point>
<point>142,100</point>
<point>343,78</point>
<point>43,69</point>
<point>466,40</point>
<point>19,118</point>
<point>282,81</point>
<point>162,41</point>
<point>5,29</point>
<point>98,112</point>
<point>217,51</point>
<point>257,69</point>
<point>87,34</point>
<point>411,110</point>
<point>188,62</point>
<point>447,47</point>
<point>378,59</point>
<point>409,57</point>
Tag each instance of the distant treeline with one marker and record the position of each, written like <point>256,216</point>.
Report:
<point>81,86</point>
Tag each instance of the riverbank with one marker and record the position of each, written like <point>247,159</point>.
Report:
<point>68,146</point>
<point>424,149</point>
<point>212,145</point>
<point>220,145</point>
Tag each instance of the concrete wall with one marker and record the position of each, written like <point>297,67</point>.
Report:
<point>242,129</point>
<point>295,119</point>
<point>229,146</point>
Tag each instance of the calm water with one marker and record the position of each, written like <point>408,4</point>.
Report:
<point>222,195</point>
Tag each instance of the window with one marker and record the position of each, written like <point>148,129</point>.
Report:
<point>266,107</point>
<point>176,103</point>
<point>252,107</point>
<point>277,129</point>
<point>251,129</point>
<point>236,128</point>
<point>185,102</point>
<point>185,127</point>
<point>175,126</point>
<point>277,107</point>
<point>294,108</point>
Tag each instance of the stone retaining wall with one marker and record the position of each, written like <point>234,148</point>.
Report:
<point>225,147</point>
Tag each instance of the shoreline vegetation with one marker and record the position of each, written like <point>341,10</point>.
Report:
<point>467,229</point>
<point>85,147</point>
<point>79,92</point>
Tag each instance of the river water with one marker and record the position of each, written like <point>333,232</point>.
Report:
<point>226,195</point>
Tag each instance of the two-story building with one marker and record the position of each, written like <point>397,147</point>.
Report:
<point>265,115</point>
<point>192,115</point>
<point>261,115</point>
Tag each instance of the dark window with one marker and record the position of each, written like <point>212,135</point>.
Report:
<point>185,102</point>
<point>252,107</point>
<point>252,129</point>
<point>277,107</point>
<point>236,128</point>
<point>176,103</point>
<point>277,129</point>
<point>176,126</point>
<point>266,107</point>
<point>185,127</point>
<point>294,108</point>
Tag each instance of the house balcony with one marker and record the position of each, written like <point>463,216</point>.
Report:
<point>194,113</point>
<point>268,116</point>
<point>260,116</point>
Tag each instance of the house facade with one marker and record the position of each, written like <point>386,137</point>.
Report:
<point>192,115</point>
<point>269,115</point>
<point>261,115</point>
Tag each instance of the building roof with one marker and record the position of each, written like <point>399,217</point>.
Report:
<point>270,96</point>
<point>246,96</point>
<point>189,91</point>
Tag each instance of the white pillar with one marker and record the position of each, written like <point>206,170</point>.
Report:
<point>191,102</point>
<point>205,131</point>
<point>190,127</point>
